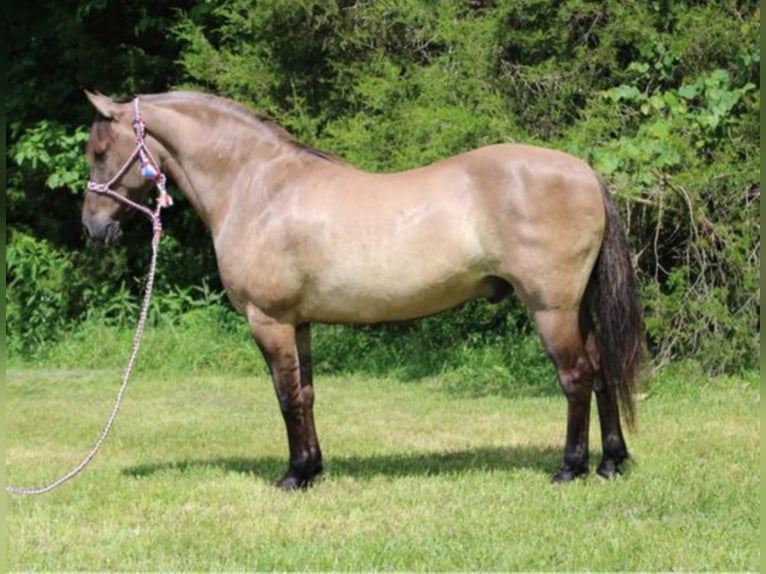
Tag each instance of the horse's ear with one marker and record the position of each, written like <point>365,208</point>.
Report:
<point>105,105</point>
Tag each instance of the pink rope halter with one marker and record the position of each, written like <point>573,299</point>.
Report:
<point>149,169</point>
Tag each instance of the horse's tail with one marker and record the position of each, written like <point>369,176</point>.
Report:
<point>614,300</point>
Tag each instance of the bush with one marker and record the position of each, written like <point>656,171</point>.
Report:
<point>37,294</point>
<point>662,98</point>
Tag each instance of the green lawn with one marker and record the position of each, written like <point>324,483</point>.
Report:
<point>419,477</point>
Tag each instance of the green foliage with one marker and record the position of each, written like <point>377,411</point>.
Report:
<point>48,147</point>
<point>695,209</point>
<point>198,340</point>
<point>482,348</point>
<point>663,98</point>
<point>37,294</point>
<point>386,85</point>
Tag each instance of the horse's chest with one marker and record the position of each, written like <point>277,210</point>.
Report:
<point>258,272</point>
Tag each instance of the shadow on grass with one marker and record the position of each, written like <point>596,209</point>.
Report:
<point>485,459</point>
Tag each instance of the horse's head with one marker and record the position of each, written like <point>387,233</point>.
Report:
<point>114,163</point>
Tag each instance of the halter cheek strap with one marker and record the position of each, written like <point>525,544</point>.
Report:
<point>149,169</point>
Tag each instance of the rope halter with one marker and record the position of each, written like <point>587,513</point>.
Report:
<point>149,169</point>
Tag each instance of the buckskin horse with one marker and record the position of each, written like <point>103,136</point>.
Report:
<point>302,237</point>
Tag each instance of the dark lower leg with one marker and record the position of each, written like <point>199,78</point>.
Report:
<point>578,393</point>
<point>305,461</point>
<point>280,348</point>
<point>303,341</point>
<point>615,452</point>
<point>561,334</point>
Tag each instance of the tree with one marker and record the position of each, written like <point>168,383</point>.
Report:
<point>662,98</point>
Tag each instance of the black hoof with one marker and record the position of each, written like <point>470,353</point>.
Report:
<point>612,467</point>
<point>291,482</point>
<point>568,473</point>
<point>299,479</point>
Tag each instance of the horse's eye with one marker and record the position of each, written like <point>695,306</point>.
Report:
<point>99,156</point>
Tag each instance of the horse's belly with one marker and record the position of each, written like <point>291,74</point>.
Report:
<point>396,296</point>
<point>365,308</point>
<point>420,266</point>
<point>383,260</point>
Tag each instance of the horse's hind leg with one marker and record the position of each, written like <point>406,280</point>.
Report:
<point>281,346</point>
<point>562,338</point>
<point>615,451</point>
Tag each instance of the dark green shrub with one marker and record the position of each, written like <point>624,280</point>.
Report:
<point>663,98</point>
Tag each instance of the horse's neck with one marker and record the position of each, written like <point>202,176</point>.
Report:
<point>210,154</point>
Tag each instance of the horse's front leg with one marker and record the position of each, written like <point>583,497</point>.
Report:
<point>280,344</point>
<point>303,342</point>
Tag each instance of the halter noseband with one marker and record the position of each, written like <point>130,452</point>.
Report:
<point>149,169</point>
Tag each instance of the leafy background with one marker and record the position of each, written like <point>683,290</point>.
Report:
<point>663,98</point>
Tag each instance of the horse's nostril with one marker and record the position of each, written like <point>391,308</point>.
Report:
<point>112,233</point>
<point>101,232</point>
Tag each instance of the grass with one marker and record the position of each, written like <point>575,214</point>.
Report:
<point>492,346</point>
<point>419,477</point>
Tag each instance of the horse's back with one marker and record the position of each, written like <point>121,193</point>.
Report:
<point>438,235</point>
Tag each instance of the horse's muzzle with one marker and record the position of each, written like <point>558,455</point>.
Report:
<point>107,233</point>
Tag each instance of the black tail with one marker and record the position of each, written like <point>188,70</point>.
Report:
<point>614,299</point>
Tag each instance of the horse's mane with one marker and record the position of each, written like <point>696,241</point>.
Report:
<point>247,114</point>
<point>102,134</point>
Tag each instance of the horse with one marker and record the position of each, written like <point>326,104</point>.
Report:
<point>302,237</point>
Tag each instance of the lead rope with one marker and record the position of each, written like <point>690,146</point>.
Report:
<point>126,377</point>
<point>150,170</point>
